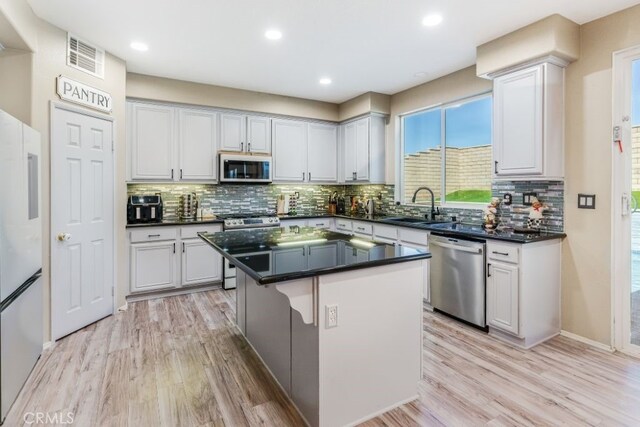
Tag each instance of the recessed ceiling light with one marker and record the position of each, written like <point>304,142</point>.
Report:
<point>142,47</point>
<point>432,20</point>
<point>273,34</point>
<point>420,74</point>
<point>325,81</point>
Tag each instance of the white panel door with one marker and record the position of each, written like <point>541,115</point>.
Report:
<point>153,266</point>
<point>200,263</point>
<point>289,150</point>
<point>322,152</point>
<point>502,297</point>
<point>232,132</point>
<point>198,145</point>
<point>152,142</point>
<point>81,220</point>
<point>518,110</point>
<point>362,149</point>
<point>258,134</point>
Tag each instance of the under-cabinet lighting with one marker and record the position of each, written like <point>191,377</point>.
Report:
<point>301,242</point>
<point>363,243</point>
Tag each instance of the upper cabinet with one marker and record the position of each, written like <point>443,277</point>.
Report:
<point>529,122</point>
<point>363,147</point>
<point>151,141</point>
<point>304,152</point>
<point>171,143</point>
<point>243,133</point>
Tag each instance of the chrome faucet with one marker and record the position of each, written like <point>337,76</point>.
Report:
<point>434,211</point>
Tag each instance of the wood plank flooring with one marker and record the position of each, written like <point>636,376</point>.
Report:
<point>179,361</point>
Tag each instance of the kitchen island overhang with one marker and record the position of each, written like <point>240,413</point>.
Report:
<point>337,320</point>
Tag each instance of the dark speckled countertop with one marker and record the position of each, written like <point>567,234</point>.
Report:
<point>275,255</point>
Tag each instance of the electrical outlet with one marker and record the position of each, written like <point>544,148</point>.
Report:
<point>331,316</point>
<point>527,198</point>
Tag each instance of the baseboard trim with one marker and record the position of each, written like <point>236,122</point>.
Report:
<point>125,307</point>
<point>47,345</point>
<point>587,341</point>
<point>172,292</point>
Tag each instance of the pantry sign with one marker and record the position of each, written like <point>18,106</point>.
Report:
<point>80,93</point>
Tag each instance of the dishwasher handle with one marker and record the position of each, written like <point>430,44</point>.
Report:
<point>457,247</point>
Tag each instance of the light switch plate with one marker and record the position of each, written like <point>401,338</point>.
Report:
<point>586,201</point>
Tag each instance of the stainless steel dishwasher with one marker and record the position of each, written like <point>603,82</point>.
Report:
<point>458,280</point>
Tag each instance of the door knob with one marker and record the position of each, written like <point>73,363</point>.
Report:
<point>63,237</point>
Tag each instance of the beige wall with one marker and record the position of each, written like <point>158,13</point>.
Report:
<point>586,272</point>
<point>169,90</point>
<point>461,84</point>
<point>364,104</point>
<point>15,84</point>
<point>554,35</point>
<point>49,61</point>
<point>18,25</point>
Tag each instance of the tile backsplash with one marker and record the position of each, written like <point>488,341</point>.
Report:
<point>229,199</point>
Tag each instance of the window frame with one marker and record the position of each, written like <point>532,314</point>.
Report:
<point>399,191</point>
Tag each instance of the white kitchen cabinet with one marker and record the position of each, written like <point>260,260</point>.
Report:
<point>163,258</point>
<point>153,266</point>
<point>290,260</point>
<point>200,263</point>
<point>291,224</point>
<point>523,291</point>
<point>322,153</point>
<point>528,114</point>
<point>243,133</point>
<point>502,296</point>
<point>151,142</point>
<point>322,256</point>
<point>168,143</point>
<point>363,150</point>
<point>324,223</point>
<point>197,144</point>
<point>363,229</point>
<point>289,150</point>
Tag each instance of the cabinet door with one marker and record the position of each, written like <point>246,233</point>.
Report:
<point>426,284</point>
<point>258,134</point>
<point>289,150</point>
<point>502,297</point>
<point>152,142</point>
<point>518,113</point>
<point>200,263</point>
<point>197,145</point>
<point>362,149</point>
<point>322,152</point>
<point>232,132</point>
<point>291,225</point>
<point>290,260</point>
<point>349,147</point>
<point>323,256</point>
<point>153,266</point>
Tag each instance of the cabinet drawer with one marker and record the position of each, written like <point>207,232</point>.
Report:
<point>385,231</point>
<point>413,236</point>
<point>191,231</point>
<point>320,222</point>
<point>503,252</point>
<point>153,234</point>
<point>344,224</point>
<point>362,228</point>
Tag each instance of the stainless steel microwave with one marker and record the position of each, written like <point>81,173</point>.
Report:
<point>245,168</point>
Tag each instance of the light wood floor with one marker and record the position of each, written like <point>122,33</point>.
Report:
<point>179,361</point>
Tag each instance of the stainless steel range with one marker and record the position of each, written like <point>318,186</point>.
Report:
<point>245,222</point>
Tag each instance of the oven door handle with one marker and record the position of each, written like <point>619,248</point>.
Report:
<point>457,247</point>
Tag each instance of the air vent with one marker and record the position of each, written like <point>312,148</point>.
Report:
<point>84,56</point>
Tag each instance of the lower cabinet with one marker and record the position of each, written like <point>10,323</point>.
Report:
<point>172,257</point>
<point>502,296</point>
<point>153,266</point>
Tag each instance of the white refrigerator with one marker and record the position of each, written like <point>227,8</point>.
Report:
<point>20,257</point>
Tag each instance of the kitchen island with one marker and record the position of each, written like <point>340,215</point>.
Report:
<point>336,319</point>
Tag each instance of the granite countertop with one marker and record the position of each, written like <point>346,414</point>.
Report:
<point>176,222</point>
<point>440,227</point>
<point>275,255</point>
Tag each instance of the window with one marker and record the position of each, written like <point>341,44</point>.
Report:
<point>460,174</point>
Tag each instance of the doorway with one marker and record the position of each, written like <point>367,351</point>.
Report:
<point>82,224</point>
<point>626,200</point>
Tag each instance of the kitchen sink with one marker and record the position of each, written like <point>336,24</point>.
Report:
<point>410,220</point>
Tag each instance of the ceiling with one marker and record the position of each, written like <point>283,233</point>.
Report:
<point>362,45</point>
